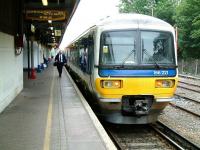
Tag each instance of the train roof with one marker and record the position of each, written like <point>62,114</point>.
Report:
<point>130,21</point>
<point>122,21</point>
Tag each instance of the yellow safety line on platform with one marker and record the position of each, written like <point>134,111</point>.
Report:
<point>46,145</point>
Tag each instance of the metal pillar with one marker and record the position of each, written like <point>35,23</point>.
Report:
<point>28,56</point>
<point>33,72</point>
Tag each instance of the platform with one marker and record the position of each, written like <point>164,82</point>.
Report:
<point>50,114</point>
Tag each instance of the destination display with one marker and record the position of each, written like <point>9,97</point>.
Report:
<point>45,15</point>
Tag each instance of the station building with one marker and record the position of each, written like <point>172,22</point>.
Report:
<point>29,32</point>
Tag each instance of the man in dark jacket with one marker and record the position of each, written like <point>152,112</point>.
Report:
<point>60,59</point>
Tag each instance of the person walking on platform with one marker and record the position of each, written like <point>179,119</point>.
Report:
<point>60,59</point>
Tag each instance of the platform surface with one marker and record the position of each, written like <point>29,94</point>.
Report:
<point>49,115</point>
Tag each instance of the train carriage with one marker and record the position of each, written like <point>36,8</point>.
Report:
<point>128,62</point>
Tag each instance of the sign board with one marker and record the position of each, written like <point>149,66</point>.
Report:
<point>32,28</point>
<point>57,32</point>
<point>45,15</point>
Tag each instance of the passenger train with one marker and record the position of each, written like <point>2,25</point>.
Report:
<point>128,63</point>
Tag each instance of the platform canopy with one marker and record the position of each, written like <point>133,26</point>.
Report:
<point>47,22</point>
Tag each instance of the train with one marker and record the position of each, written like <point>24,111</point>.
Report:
<point>128,62</point>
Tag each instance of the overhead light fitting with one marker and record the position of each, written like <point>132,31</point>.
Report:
<point>45,2</point>
<point>32,28</point>
<point>49,21</point>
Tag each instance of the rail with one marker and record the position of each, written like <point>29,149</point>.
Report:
<point>176,137</point>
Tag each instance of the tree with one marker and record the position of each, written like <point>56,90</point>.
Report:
<point>137,6</point>
<point>166,10</point>
<point>163,9</point>
<point>188,22</point>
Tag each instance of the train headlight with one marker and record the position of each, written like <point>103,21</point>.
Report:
<point>111,84</point>
<point>164,83</point>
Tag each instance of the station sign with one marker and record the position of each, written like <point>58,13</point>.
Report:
<point>57,32</point>
<point>45,15</point>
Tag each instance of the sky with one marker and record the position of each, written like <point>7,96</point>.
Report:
<point>86,15</point>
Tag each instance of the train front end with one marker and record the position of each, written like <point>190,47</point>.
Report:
<point>137,74</point>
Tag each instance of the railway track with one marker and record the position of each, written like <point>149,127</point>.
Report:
<point>136,137</point>
<point>189,86</point>
<point>179,141</point>
<point>189,83</point>
<point>188,77</point>
<point>154,136</point>
<point>188,104</point>
<point>184,109</point>
<point>187,98</point>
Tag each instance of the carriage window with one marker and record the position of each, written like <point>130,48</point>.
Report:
<point>157,47</point>
<point>118,47</point>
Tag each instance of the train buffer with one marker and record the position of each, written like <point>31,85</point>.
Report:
<point>50,114</point>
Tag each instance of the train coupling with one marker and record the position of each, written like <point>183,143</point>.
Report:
<point>136,105</point>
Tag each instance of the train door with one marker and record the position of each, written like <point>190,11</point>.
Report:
<point>90,59</point>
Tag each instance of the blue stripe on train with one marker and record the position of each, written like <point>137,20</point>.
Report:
<point>138,73</point>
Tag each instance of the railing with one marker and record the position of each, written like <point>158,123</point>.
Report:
<point>189,66</point>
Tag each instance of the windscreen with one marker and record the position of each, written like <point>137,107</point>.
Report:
<point>136,48</point>
<point>157,47</point>
<point>118,47</point>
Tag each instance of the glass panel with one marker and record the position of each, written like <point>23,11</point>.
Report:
<point>118,47</point>
<point>157,47</point>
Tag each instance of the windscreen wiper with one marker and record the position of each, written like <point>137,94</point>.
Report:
<point>127,57</point>
<point>109,66</point>
<point>154,60</point>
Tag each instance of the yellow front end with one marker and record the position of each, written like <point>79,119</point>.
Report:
<point>162,89</point>
<point>134,100</point>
